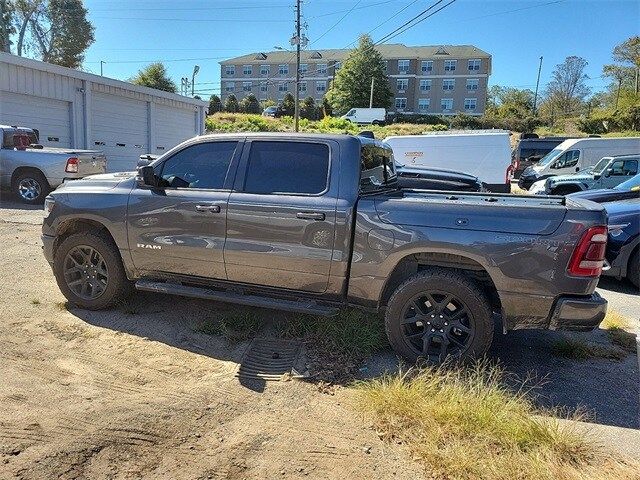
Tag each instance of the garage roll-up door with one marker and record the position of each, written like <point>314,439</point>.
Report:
<point>52,118</point>
<point>120,128</point>
<point>173,126</point>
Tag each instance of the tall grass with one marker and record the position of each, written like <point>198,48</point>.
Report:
<point>466,424</point>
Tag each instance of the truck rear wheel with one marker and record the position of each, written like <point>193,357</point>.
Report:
<point>89,271</point>
<point>438,314</point>
<point>31,186</point>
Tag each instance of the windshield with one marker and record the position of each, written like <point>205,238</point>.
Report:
<point>550,157</point>
<point>633,182</point>
<point>600,166</point>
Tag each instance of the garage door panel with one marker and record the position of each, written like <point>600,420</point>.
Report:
<point>173,126</point>
<point>52,118</point>
<point>120,128</point>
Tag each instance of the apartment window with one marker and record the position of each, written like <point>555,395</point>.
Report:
<point>448,84</point>
<point>283,87</point>
<point>247,70</point>
<point>246,86</point>
<point>450,65</point>
<point>322,68</point>
<point>283,69</point>
<point>446,104</point>
<point>403,66</point>
<point>474,65</point>
<point>229,69</point>
<point>426,66</point>
<point>425,85</point>
<point>302,87</point>
<point>304,68</point>
<point>472,84</point>
<point>423,104</point>
<point>264,87</point>
<point>402,84</point>
<point>401,103</point>
<point>470,103</point>
<point>229,87</point>
<point>321,87</point>
<point>264,69</point>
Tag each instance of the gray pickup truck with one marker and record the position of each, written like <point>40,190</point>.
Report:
<point>310,223</point>
<point>31,171</point>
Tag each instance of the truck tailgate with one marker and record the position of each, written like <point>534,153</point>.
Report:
<point>90,163</point>
<point>477,212</point>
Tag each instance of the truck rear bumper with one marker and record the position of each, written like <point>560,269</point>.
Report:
<point>578,313</point>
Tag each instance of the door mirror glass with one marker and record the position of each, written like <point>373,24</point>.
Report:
<point>608,172</point>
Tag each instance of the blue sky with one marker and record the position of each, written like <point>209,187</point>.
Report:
<point>515,32</point>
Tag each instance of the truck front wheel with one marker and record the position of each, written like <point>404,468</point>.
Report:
<point>439,313</point>
<point>89,270</point>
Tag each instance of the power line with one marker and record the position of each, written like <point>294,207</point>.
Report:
<point>202,20</point>
<point>513,11</point>
<point>389,37</point>
<point>408,22</point>
<point>386,21</point>
<point>338,22</point>
<point>359,8</point>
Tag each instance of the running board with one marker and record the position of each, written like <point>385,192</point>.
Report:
<point>302,306</point>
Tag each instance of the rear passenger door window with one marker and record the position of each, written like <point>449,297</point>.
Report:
<point>203,165</point>
<point>295,168</point>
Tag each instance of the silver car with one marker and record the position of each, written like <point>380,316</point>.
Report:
<point>31,171</point>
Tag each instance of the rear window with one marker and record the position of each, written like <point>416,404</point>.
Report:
<point>8,141</point>
<point>377,166</point>
<point>287,167</point>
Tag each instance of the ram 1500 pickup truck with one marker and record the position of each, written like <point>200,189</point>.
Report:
<point>32,171</point>
<point>310,223</point>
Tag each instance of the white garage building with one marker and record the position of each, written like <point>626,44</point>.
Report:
<point>80,110</point>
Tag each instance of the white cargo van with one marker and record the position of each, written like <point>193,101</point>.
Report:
<point>485,154</point>
<point>362,116</point>
<point>577,154</point>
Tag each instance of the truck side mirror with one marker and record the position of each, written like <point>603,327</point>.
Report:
<point>577,169</point>
<point>148,175</point>
<point>608,172</point>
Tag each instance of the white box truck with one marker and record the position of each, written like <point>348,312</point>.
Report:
<point>485,154</point>
<point>364,116</point>
<point>577,154</point>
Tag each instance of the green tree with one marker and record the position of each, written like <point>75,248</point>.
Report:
<point>231,104</point>
<point>308,109</point>
<point>351,86</point>
<point>507,102</point>
<point>567,90</point>
<point>7,28</point>
<point>325,107</point>
<point>267,103</point>
<point>628,52</point>
<point>250,104</point>
<point>288,105</point>
<point>215,104</point>
<point>57,29</point>
<point>154,76</point>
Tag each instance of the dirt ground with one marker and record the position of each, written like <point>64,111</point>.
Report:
<point>139,393</point>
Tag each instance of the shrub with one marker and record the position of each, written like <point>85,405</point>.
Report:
<point>288,105</point>
<point>250,104</point>
<point>215,104</point>
<point>231,104</point>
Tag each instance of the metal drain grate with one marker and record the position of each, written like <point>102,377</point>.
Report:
<point>269,359</point>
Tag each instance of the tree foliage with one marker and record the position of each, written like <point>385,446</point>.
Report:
<point>7,28</point>
<point>351,86</point>
<point>250,104</point>
<point>325,108</point>
<point>506,102</point>
<point>308,109</point>
<point>215,104</point>
<point>628,53</point>
<point>231,104</point>
<point>567,90</point>
<point>288,104</point>
<point>154,76</point>
<point>58,30</point>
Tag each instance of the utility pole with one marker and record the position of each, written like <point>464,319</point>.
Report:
<point>101,63</point>
<point>373,79</point>
<point>535,97</point>
<point>196,69</point>
<point>298,41</point>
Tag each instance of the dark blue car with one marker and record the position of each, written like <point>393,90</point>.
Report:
<point>623,245</point>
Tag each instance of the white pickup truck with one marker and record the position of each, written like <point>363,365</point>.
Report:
<point>31,171</point>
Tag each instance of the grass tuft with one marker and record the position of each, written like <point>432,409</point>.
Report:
<point>235,326</point>
<point>466,424</point>
<point>580,350</point>
<point>616,326</point>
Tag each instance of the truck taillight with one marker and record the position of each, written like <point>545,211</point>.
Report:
<point>72,165</point>
<point>509,174</point>
<point>588,256</point>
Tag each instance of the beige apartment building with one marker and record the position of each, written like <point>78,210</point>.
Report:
<point>439,80</point>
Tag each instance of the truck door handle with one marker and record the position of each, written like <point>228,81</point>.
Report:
<point>208,208</point>
<point>310,215</point>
